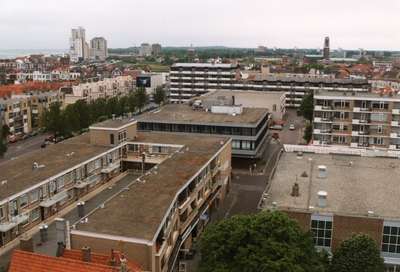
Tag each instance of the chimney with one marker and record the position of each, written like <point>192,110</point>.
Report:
<point>113,261</point>
<point>123,267</point>
<point>86,257</point>
<point>321,171</point>
<point>26,243</point>
<point>322,198</point>
<point>295,190</point>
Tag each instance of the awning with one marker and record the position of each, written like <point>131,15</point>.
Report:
<point>54,199</point>
<point>110,168</point>
<point>15,221</point>
<point>85,182</point>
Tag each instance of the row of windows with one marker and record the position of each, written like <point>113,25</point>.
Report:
<point>198,129</point>
<point>245,145</point>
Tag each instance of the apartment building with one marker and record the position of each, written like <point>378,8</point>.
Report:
<point>248,127</point>
<point>16,114</point>
<point>162,212</point>
<point>338,193</point>
<point>190,79</point>
<point>109,87</point>
<point>98,49</point>
<point>78,45</point>
<point>356,119</point>
<point>149,81</point>
<point>145,49</point>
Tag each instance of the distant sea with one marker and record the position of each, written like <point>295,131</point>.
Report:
<point>13,53</point>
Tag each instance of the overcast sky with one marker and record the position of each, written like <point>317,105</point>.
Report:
<point>350,24</point>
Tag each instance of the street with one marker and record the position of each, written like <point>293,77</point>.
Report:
<point>23,147</point>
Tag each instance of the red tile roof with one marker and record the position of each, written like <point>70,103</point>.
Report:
<point>70,261</point>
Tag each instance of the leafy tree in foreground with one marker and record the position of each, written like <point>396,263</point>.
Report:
<point>3,147</point>
<point>308,133</point>
<point>268,241</point>
<point>306,106</point>
<point>358,252</point>
<point>142,98</point>
<point>159,95</point>
<point>83,111</point>
<point>53,120</point>
<point>5,131</point>
<point>132,103</point>
<point>71,120</point>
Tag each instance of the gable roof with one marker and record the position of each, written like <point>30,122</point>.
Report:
<point>26,261</point>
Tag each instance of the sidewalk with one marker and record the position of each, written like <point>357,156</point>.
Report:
<point>50,248</point>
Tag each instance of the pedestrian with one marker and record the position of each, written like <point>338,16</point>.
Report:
<point>251,171</point>
<point>255,167</point>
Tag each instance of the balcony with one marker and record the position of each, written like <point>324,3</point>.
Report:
<point>223,180</point>
<point>223,167</point>
<point>395,111</point>
<point>377,131</point>
<point>15,221</point>
<point>54,199</point>
<point>395,123</point>
<point>395,135</point>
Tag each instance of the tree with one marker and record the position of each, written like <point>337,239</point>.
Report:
<point>5,131</point>
<point>53,120</point>
<point>82,110</point>
<point>98,108</point>
<point>102,119</point>
<point>267,241</point>
<point>72,123</point>
<point>3,147</point>
<point>113,107</point>
<point>159,95</point>
<point>358,252</point>
<point>308,133</point>
<point>123,106</point>
<point>132,103</point>
<point>306,106</point>
<point>142,98</point>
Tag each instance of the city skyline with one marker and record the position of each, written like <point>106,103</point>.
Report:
<point>350,25</point>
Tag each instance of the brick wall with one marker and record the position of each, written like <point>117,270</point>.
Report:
<point>343,226</point>
<point>304,218</point>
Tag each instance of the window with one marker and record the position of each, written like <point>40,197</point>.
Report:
<point>112,139</point>
<point>91,166</point>
<point>34,196</point>
<point>35,214</point>
<point>97,163</point>
<point>70,193</point>
<point>322,232</point>
<point>235,144</point>
<point>200,195</point>
<point>122,136</point>
<point>83,169</point>
<point>207,186</point>
<point>115,154</point>
<point>69,177</point>
<point>42,192</point>
<point>274,107</point>
<point>1,211</point>
<point>246,144</point>
<point>160,149</point>
<point>53,186</point>
<point>76,174</point>
<point>134,148</point>
<point>23,200</point>
<point>61,182</point>
<point>97,179</point>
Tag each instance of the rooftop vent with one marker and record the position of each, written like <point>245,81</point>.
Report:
<point>304,175</point>
<point>295,190</point>
<point>274,205</point>
<point>299,153</point>
<point>322,198</point>
<point>321,171</point>
<point>370,213</point>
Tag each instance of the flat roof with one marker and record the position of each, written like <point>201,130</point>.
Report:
<point>241,94</point>
<point>368,185</point>
<point>356,96</point>
<point>184,113</point>
<point>206,65</point>
<point>139,211</point>
<point>19,172</point>
<point>311,79</point>
<point>113,124</point>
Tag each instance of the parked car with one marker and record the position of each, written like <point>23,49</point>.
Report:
<point>14,139</point>
<point>291,127</point>
<point>278,127</point>
<point>46,144</point>
<point>33,133</point>
<point>49,138</point>
<point>25,136</point>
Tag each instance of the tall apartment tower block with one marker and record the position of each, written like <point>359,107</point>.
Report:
<point>78,47</point>
<point>98,48</point>
<point>326,49</point>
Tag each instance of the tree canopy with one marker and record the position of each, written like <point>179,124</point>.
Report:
<point>142,98</point>
<point>306,106</point>
<point>267,241</point>
<point>3,147</point>
<point>53,120</point>
<point>308,133</point>
<point>358,252</point>
<point>5,131</point>
<point>159,95</point>
<point>83,113</point>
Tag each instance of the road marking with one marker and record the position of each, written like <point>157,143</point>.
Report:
<point>265,168</point>
<point>19,147</point>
